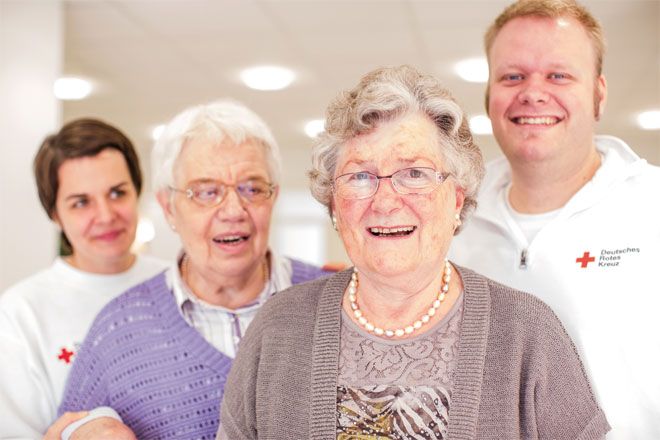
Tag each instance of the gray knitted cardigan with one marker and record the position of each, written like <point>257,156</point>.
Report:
<point>517,376</point>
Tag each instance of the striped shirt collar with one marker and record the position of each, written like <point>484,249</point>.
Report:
<point>280,271</point>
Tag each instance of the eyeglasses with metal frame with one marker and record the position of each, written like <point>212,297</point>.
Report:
<point>406,181</point>
<point>209,193</point>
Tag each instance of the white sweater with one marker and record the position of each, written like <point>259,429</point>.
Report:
<point>43,320</point>
<point>596,264</point>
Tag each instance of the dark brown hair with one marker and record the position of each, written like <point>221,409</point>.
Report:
<point>79,138</point>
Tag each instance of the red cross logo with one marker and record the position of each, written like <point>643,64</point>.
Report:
<point>65,355</point>
<point>585,260</point>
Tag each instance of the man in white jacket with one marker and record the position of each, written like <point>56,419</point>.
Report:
<point>571,217</point>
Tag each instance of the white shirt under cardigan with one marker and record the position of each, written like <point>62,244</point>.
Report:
<point>43,320</point>
<point>222,327</point>
<point>596,264</point>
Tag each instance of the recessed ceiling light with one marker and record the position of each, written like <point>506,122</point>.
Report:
<point>649,120</point>
<point>267,77</point>
<point>480,125</point>
<point>145,232</point>
<point>314,127</point>
<point>157,131</point>
<point>473,69</point>
<point>71,88</point>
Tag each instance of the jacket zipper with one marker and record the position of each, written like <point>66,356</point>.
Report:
<point>523,259</point>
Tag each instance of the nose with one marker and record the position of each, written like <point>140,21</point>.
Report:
<point>232,207</point>
<point>386,200</point>
<point>533,92</point>
<point>104,211</point>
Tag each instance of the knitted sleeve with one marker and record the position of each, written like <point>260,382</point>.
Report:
<point>556,400</point>
<point>269,391</point>
<point>85,385</point>
<point>238,411</point>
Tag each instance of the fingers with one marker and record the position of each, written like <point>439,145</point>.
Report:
<point>55,430</point>
<point>103,428</point>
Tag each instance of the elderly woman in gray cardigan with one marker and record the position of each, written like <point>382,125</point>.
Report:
<point>405,344</point>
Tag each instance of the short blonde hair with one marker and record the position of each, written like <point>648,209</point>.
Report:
<point>549,9</point>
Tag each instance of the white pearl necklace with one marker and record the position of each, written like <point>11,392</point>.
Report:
<point>399,332</point>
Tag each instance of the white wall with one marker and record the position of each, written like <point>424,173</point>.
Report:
<point>30,60</point>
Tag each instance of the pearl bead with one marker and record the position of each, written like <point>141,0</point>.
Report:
<point>407,330</point>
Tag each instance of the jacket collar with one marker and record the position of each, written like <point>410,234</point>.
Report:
<point>619,163</point>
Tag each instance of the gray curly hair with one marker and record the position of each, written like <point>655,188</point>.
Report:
<point>387,94</point>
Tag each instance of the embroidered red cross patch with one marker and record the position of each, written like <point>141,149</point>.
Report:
<point>585,260</point>
<point>65,355</point>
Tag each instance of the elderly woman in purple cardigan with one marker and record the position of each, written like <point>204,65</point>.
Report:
<point>158,356</point>
<point>405,344</point>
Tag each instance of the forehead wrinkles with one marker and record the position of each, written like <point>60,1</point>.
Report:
<point>564,38</point>
<point>221,161</point>
<point>405,140</point>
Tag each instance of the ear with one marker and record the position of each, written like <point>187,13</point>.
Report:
<point>600,98</point>
<point>164,198</point>
<point>460,198</point>
<point>487,99</point>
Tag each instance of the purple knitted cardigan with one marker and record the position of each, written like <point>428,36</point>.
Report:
<point>141,358</point>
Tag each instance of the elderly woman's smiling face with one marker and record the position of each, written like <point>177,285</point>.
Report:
<point>418,227</point>
<point>228,239</point>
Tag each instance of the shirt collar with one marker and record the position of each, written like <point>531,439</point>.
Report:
<point>280,271</point>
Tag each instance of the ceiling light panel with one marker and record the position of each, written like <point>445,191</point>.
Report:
<point>70,88</point>
<point>480,125</point>
<point>649,120</point>
<point>314,127</point>
<point>472,70</point>
<point>267,77</point>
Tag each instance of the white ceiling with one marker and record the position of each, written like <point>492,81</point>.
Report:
<point>149,59</point>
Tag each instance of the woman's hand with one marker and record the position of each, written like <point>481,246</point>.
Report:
<point>55,430</point>
<point>102,428</point>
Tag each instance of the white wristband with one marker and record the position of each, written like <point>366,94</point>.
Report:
<point>96,413</point>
